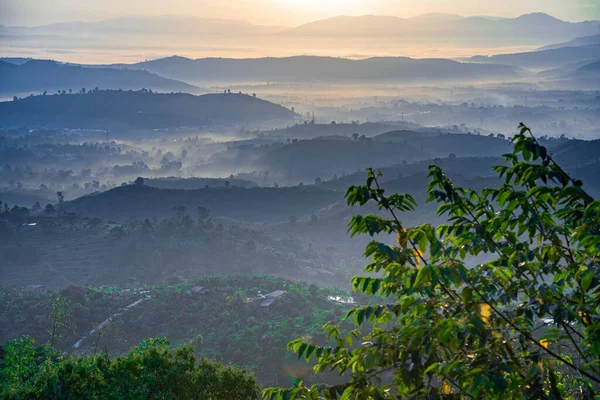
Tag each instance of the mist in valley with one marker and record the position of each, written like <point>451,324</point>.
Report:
<point>187,177</point>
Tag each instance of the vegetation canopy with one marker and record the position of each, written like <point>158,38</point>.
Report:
<point>151,370</point>
<point>501,302</point>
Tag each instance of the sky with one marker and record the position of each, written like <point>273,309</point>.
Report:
<point>281,12</point>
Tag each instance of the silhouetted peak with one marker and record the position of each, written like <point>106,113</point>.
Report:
<point>177,58</point>
<point>538,17</point>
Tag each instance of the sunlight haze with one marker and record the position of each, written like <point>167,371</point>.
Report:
<point>281,12</point>
<point>404,193</point>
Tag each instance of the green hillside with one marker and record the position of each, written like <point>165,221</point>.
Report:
<point>221,317</point>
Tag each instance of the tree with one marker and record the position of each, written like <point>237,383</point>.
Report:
<point>61,200</point>
<point>49,209</point>
<point>61,321</point>
<point>179,212</point>
<point>521,324</point>
<point>19,213</point>
<point>203,216</point>
<point>152,370</point>
<point>139,181</point>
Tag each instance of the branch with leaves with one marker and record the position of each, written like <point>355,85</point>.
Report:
<point>502,301</point>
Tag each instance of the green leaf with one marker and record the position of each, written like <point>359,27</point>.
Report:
<point>586,279</point>
<point>467,295</point>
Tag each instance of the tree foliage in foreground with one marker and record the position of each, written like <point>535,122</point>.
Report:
<point>502,302</point>
<point>149,371</point>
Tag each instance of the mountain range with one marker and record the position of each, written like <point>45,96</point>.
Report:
<point>434,28</point>
<point>46,75</point>
<point>579,41</point>
<point>551,58</point>
<point>444,27</point>
<point>312,68</point>
<point>576,44</point>
<point>148,26</point>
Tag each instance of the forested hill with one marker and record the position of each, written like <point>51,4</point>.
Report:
<point>51,76</point>
<point>248,204</point>
<point>111,109</point>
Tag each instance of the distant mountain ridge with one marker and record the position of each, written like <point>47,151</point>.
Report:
<point>313,68</point>
<point>544,58</point>
<point>580,41</point>
<point>164,25</point>
<point>528,27</point>
<point>432,28</point>
<point>47,75</point>
<point>562,71</point>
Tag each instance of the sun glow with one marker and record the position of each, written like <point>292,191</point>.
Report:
<point>320,3</point>
<point>323,7</point>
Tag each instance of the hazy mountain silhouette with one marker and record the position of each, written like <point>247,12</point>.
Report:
<point>165,25</point>
<point>329,69</point>
<point>325,157</point>
<point>589,71</point>
<point>544,58</point>
<point>306,131</point>
<point>590,68</point>
<point>160,33</point>
<point>442,145</point>
<point>110,109</point>
<point>40,75</point>
<point>580,41</point>
<point>436,18</point>
<point>528,28</point>
<point>562,71</point>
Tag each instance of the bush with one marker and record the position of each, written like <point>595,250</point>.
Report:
<point>149,371</point>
